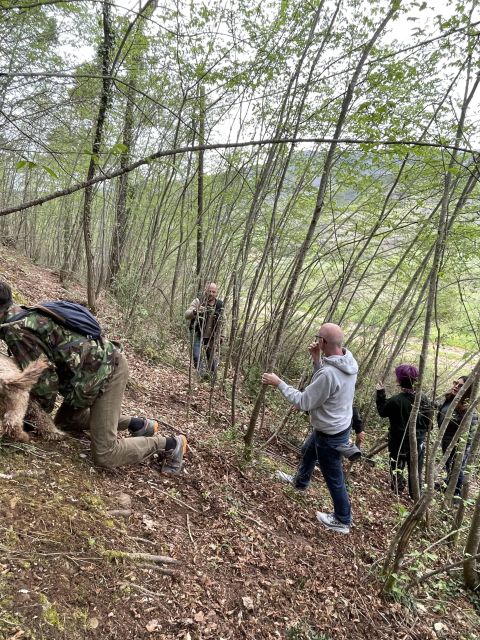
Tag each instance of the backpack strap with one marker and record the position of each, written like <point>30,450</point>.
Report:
<point>18,317</point>
<point>49,312</point>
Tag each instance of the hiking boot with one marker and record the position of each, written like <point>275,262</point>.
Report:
<point>288,479</point>
<point>174,457</point>
<point>330,521</point>
<point>148,428</point>
<point>349,451</point>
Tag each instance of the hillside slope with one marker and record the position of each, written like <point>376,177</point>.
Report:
<point>253,562</point>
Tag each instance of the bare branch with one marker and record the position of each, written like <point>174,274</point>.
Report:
<point>226,145</point>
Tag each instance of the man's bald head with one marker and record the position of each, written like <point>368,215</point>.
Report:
<point>332,334</point>
<point>211,291</point>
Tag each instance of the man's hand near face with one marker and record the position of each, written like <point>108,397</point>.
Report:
<point>315,352</point>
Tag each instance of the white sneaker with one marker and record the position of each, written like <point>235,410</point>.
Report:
<point>283,477</point>
<point>330,521</point>
<point>288,479</point>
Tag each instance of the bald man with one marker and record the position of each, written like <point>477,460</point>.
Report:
<point>206,319</point>
<point>328,399</point>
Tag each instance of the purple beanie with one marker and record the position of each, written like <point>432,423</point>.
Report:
<point>407,375</point>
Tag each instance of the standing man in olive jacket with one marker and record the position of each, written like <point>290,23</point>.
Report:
<point>206,320</point>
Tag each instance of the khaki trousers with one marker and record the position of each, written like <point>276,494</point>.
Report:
<point>104,419</point>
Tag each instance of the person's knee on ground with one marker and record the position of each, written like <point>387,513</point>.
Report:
<point>71,420</point>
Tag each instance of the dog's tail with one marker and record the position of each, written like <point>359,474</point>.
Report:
<point>25,379</point>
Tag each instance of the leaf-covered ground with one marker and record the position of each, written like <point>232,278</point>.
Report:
<point>253,561</point>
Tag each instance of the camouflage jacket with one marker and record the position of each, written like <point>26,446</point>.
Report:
<point>79,368</point>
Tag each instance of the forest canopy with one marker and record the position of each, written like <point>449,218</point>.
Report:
<point>148,148</point>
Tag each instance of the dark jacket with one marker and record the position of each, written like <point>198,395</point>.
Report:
<point>357,422</point>
<point>397,409</point>
<point>209,323</point>
<point>454,423</point>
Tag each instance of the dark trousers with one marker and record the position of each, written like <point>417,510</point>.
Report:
<point>398,462</point>
<point>321,448</point>
<point>451,461</point>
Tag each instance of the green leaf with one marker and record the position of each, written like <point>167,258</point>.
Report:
<point>119,148</point>
<point>50,171</point>
<point>29,164</point>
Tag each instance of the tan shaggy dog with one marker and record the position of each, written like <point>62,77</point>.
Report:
<point>15,402</point>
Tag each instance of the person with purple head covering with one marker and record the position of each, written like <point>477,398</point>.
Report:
<point>397,409</point>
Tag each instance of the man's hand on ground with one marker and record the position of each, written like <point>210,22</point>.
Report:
<point>380,386</point>
<point>271,378</point>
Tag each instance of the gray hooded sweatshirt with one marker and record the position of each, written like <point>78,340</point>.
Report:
<point>329,396</point>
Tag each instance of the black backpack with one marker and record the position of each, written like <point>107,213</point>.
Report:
<point>70,315</point>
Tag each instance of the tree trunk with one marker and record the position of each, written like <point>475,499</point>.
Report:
<point>106,54</point>
<point>200,177</point>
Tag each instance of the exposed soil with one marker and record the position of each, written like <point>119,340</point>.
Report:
<point>254,562</point>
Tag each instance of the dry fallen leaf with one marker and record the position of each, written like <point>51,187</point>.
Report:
<point>152,626</point>
<point>148,522</point>
<point>199,617</point>
<point>124,500</point>
<point>247,603</point>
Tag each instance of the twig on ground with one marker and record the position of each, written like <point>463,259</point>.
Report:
<point>152,594</point>
<point>155,567</point>
<point>119,513</point>
<point>31,473</point>
<point>377,446</point>
<point>257,522</point>
<point>29,448</point>
<point>137,539</point>
<point>143,556</point>
<point>447,567</point>
<point>177,500</point>
<point>189,532</point>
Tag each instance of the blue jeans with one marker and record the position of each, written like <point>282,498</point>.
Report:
<point>321,448</point>
<point>209,346</point>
